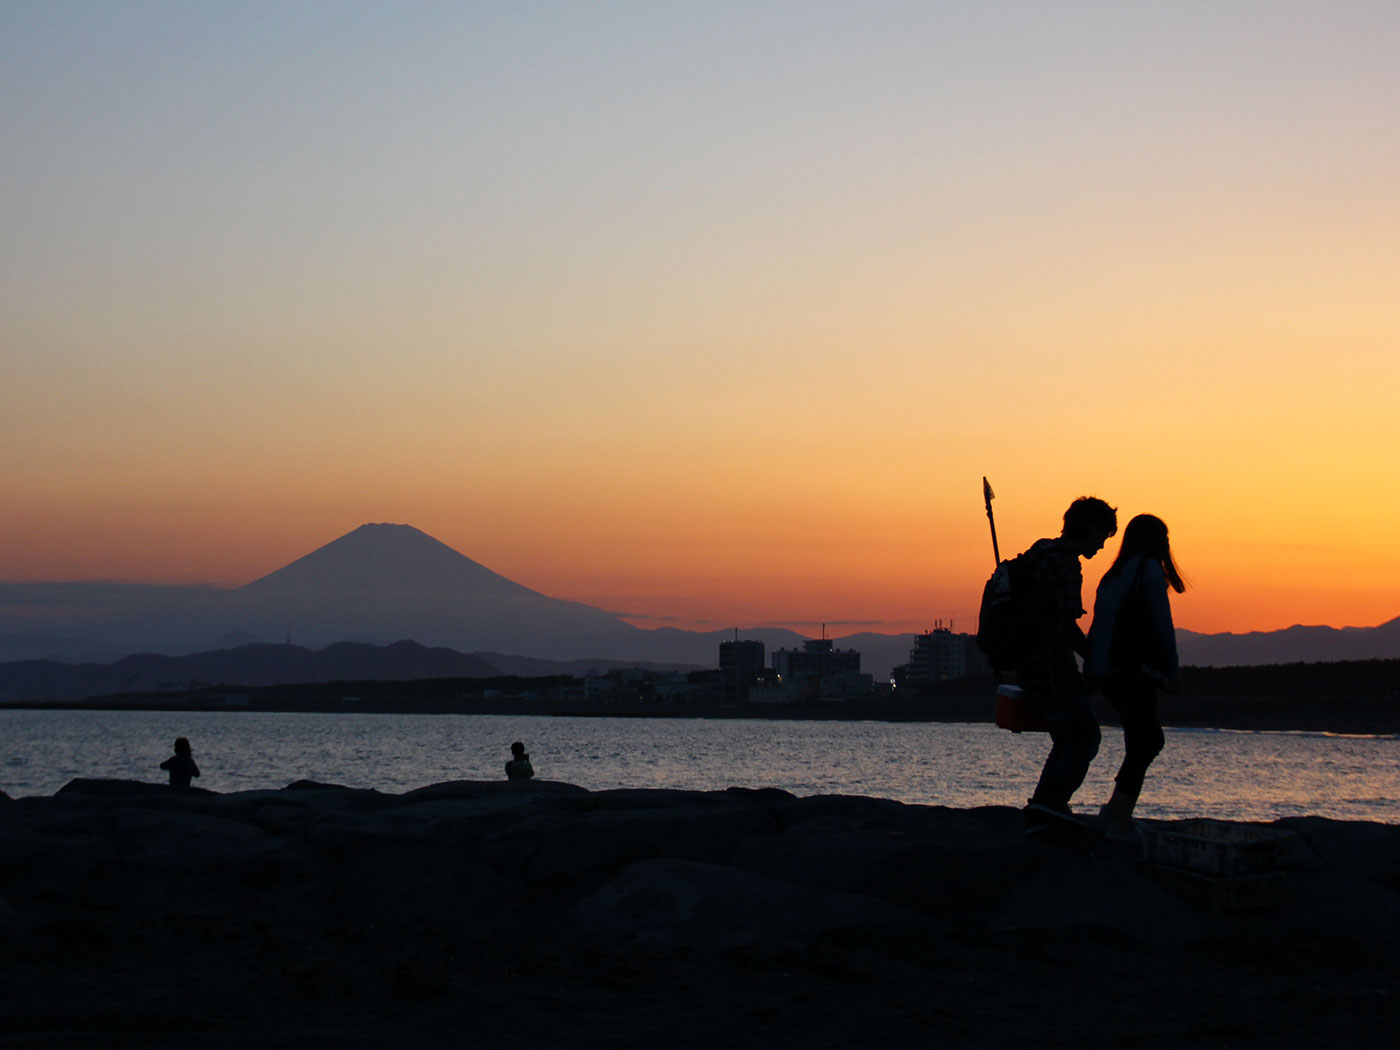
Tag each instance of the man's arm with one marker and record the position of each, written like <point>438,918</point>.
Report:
<point>1073,635</point>
<point>1061,580</point>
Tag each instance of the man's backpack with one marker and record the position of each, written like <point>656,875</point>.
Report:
<point>1005,620</point>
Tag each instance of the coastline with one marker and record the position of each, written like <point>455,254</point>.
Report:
<point>1350,717</point>
<point>470,912</point>
<point>1357,698</point>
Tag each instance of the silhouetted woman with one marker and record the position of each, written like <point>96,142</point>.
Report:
<point>181,764</point>
<point>1132,654</point>
<point>519,768</point>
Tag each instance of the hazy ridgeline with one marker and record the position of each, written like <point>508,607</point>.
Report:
<point>386,583</point>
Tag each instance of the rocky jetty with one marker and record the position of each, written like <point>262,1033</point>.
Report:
<point>543,914</point>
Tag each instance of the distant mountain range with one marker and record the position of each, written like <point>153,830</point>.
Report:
<point>246,665</point>
<point>381,584</point>
<point>1290,645</point>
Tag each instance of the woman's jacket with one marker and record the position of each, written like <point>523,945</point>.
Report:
<point>1132,632</point>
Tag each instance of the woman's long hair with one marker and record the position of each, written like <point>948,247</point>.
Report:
<point>1147,535</point>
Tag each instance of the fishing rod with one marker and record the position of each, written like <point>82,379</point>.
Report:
<point>988,495</point>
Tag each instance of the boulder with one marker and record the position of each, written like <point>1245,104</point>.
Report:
<point>100,788</point>
<point>1103,894</point>
<point>472,789</point>
<point>678,902</point>
<point>186,843</point>
<point>352,917</point>
<point>36,862</point>
<point>565,853</point>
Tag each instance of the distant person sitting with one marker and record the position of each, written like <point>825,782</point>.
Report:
<point>519,768</point>
<point>181,764</point>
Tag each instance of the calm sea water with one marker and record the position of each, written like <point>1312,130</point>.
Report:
<point>1229,775</point>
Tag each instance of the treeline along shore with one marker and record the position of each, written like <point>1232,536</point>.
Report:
<point>1351,697</point>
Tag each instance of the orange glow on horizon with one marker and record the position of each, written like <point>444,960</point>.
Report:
<point>690,329</point>
<point>753,578</point>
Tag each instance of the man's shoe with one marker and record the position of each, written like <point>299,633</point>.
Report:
<point>1052,809</point>
<point>1042,815</point>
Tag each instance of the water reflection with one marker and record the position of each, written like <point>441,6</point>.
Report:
<point>1230,775</point>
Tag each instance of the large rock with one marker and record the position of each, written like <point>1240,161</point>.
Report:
<point>35,862</point>
<point>678,902</point>
<point>474,789</point>
<point>357,918</point>
<point>1104,894</point>
<point>186,843</point>
<point>555,851</point>
<point>109,788</point>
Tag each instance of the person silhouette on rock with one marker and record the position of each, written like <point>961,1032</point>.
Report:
<point>519,768</point>
<point>1132,655</point>
<point>181,765</point>
<point>1047,670</point>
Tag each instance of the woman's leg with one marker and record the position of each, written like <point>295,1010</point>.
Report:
<point>1135,700</point>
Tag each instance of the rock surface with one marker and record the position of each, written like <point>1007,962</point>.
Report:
<point>496,914</point>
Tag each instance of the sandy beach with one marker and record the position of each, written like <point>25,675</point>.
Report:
<point>501,914</point>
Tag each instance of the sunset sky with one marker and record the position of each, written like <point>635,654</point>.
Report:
<point>712,314</point>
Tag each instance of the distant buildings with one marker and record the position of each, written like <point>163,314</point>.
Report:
<point>627,686</point>
<point>817,671</point>
<point>740,668</point>
<point>939,655</point>
<point>818,656</point>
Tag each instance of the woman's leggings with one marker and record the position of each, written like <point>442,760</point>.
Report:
<point>1135,699</point>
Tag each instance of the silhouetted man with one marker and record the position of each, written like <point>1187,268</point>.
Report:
<point>1047,670</point>
<point>519,768</point>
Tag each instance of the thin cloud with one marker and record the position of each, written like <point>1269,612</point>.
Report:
<point>828,623</point>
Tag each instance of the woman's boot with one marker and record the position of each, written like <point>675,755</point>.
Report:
<point>1118,815</point>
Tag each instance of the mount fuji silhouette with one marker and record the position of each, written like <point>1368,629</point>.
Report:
<point>385,582</point>
<point>378,583</point>
<point>388,559</point>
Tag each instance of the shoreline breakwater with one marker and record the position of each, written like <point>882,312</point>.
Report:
<point>473,912</point>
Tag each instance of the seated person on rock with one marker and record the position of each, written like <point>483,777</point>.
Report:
<point>519,768</point>
<point>181,764</point>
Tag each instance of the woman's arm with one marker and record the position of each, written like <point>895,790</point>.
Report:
<point>1160,609</point>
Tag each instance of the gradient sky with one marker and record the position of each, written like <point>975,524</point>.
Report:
<point>714,312</point>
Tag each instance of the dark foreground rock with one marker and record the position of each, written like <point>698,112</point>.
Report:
<point>542,914</point>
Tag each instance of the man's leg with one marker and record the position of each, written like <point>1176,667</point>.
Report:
<point>1074,733</point>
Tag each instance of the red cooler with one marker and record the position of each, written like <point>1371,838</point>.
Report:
<point>1014,711</point>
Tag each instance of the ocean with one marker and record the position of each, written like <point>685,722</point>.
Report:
<point>1202,773</point>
